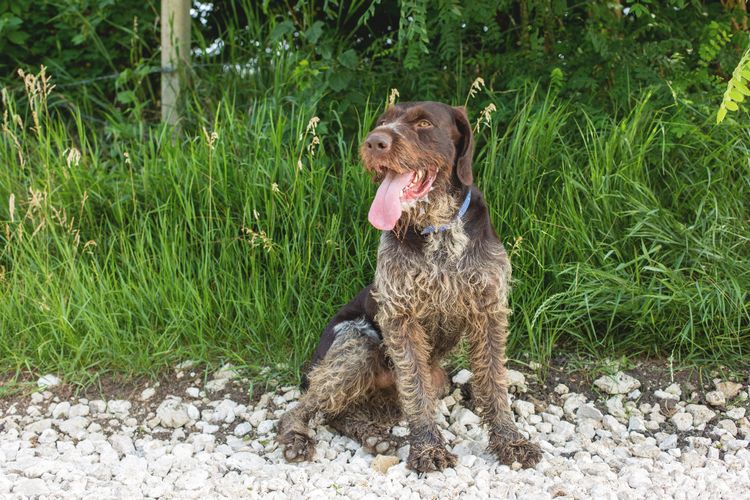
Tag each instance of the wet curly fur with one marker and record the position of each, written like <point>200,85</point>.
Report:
<point>379,358</point>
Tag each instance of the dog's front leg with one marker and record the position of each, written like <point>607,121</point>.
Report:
<point>409,350</point>
<point>487,332</point>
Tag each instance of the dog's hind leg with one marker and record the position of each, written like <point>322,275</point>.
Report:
<point>348,372</point>
<point>369,421</point>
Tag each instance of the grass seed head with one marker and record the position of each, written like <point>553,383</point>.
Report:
<point>73,157</point>
<point>486,116</point>
<point>392,97</point>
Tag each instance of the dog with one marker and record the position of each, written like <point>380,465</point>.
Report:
<point>442,273</point>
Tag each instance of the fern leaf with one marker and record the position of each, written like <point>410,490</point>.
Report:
<point>737,88</point>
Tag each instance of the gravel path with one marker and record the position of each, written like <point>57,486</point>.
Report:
<point>207,443</point>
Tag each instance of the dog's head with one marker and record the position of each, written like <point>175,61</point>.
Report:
<point>416,148</point>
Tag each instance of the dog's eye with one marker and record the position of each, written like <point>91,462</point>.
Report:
<point>423,124</point>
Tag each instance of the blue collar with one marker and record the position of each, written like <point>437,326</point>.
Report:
<point>461,213</point>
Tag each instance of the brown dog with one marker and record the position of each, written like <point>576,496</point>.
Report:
<point>441,273</point>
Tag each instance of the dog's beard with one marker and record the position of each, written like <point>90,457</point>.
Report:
<point>437,208</point>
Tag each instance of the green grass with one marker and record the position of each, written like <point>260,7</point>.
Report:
<point>625,237</point>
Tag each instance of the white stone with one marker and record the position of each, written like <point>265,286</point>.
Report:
<point>572,402</point>
<point>736,413</point>
<point>638,478</point>
<point>266,426</point>
<point>257,417</point>
<point>669,442</point>
<point>516,379</point>
<point>464,417</point>
<point>227,371</point>
<point>523,409</point>
<point>193,392</point>
<point>31,488</point>
<point>122,444</point>
<point>48,436</point>
<point>118,407</point>
<point>619,383</point>
<point>616,408</point>
<point>243,429</point>
<point>75,427</point>
<point>61,410</point>
<point>728,426</point>
<point>400,431</point>
<point>147,393</point>
<point>97,406</point>
<point>462,377</point>
<point>683,421</point>
<point>589,411</point>
<point>674,389</point>
<point>659,394</point>
<point>561,389</point>
<point>225,411</point>
<point>216,385</point>
<point>185,365</point>
<point>729,389</point>
<point>193,412</point>
<point>716,398</point>
<point>172,413</point>
<point>39,425</point>
<point>634,394</point>
<point>48,380</point>
<point>192,480</point>
<point>611,424</point>
<point>701,414</point>
<point>646,450</point>
<point>131,470</point>
<point>381,463</point>
<point>78,410</point>
<point>636,424</point>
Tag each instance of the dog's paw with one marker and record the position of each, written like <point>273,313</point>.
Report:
<point>297,447</point>
<point>426,457</point>
<point>515,449</point>
<point>382,443</point>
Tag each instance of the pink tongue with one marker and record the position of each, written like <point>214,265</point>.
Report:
<point>386,207</point>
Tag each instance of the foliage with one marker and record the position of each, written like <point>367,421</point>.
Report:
<point>679,51</point>
<point>75,39</point>
<point>737,88</point>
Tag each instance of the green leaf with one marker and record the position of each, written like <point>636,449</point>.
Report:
<point>339,80</point>
<point>18,37</point>
<point>126,97</point>
<point>314,32</point>
<point>281,29</point>
<point>721,114</point>
<point>348,59</point>
<point>730,105</point>
<point>736,95</point>
<point>741,87</point>
<point>745,73</point>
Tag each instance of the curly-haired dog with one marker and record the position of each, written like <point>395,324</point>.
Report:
<point>441,273</point>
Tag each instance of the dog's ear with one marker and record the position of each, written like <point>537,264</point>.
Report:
<point>464,146</point>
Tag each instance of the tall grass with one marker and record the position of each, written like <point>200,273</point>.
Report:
<point>241,239</point>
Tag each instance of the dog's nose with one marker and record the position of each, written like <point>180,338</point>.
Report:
<point>379,142</point>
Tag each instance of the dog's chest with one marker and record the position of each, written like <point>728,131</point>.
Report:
<point>436,285</point>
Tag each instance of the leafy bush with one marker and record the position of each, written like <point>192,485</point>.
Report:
<point>78,38</point>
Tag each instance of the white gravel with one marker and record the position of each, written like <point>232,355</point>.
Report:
<point>183,446</point>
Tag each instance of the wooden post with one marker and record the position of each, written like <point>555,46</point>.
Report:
<point>175,55</point>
